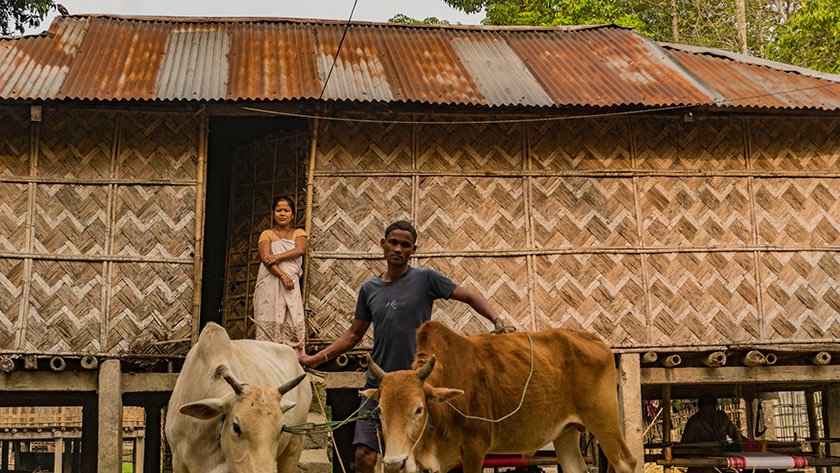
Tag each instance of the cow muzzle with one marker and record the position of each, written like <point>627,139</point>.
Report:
<point>394,463</point>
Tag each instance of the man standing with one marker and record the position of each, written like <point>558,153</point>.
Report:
<point>397,303</point>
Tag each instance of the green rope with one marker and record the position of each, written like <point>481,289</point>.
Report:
<point>313,428</point>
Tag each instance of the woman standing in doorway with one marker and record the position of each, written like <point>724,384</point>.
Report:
<point>278,308</point>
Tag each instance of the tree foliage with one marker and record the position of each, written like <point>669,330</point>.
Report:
<point>407,20</point>
<point>787,30</point>
<point>17,15</point>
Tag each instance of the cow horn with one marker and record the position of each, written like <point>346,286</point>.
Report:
<point>224,372</point>
<point>426,369</point>
<point>378,372</point>
<point>289,385</point>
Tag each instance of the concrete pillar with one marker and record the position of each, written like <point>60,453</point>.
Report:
<point>630,405</point>
<point>110,417</point>
<point>58,458</point>
<point>831,411</point>
<point>152,446</point>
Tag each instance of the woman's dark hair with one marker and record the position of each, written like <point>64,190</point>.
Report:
<point>402,225</point>
<point>285,198</point>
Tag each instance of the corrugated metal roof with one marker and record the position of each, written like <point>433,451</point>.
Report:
<point>162,58</point>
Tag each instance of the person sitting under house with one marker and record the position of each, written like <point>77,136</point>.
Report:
<point>709,424</point>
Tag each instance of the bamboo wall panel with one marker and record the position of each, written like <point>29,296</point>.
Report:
<point>502,281</point>
<point>568,212</point>
<point>353,211</point>
<point>580,145</point>
<point>703,298</point>
<point>492,147</point>
<point>671,143</point>
<point>798,211</point>
<point>11,290</point>
<point>70,219</point>
<point>76,144</point>
<point>804,143</point>
<point>155,221</point>
<point>457,213</point>
<point>13,202</point>
<point>64,312</point>
<point>158,146</point>
<point>698,212</point>
<point>334,285</point>
<point>345,145</point>
<point>600,293</point>
<point>801,295</point>
<point>150,302</point>
<point>14,141</point>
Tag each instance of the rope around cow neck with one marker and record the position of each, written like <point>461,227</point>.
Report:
<point>521,399</point>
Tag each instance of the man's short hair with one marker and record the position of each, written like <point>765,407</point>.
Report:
<point>402,225</point>
<point>707,400</point>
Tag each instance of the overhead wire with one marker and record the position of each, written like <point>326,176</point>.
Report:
<point>338,50</point>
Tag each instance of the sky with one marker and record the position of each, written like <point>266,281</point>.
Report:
<point>366,10</point>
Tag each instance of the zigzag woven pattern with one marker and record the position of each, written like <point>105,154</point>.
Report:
<point>502,281</point>
<point>149,302</point>
<point>76,144</point>
<point>801,295</point>
<point>800,144</point>
<point>351,211</point>
<point>155,221</point>
<point>65,307</point>
<point>685,212</point>
<point>459,213</point>
<point>699,297</point>
<point>13,201</point>
<point>71,220</point>
<point>346,145</point>
<point>580,144</point>
<point>14,142</point>
<point>583,212</point>
<point>156,145</point>
<point>11,292</point>
<point>798,211</point>
<point>713,144</point>
<point>491,147</point>
<point>597,293</point>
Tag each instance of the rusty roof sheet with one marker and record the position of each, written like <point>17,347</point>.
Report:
<point>102,57</point>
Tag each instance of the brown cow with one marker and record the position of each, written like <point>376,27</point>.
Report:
<point>573,386</point>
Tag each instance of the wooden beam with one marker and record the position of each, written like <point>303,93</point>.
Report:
<point>58,457</point>
<point>110,417</point>
<point>630,404</point>
<point>831,405</point>
<point>742,375</point>
<point>48,381</point>
<point>148,382</point>
<point>152,442</point>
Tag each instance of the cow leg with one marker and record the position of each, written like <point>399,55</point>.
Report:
<point>287,462</point>
<point>473,459</point>
<point>567,446</point>
<point>608,432</point>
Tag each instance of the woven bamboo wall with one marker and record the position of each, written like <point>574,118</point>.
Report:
<point>98,215</point>
<point>645,230</point>
<point>263,169</point>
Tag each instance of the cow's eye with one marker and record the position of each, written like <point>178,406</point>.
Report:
<point>418,411</point>
<point>236,429</point>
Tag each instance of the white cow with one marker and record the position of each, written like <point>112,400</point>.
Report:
<point>230,403</point>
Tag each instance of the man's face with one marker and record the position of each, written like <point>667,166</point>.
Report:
<point>398,247</point>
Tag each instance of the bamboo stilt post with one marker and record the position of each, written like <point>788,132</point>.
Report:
<point>630,402</point>
<point>813,425</point>
<point>831,419</point>
<point>666,425</point>
<point>198,244</point>
<point>140,453</point>
<point>110,417</point>
<point>313,148</point>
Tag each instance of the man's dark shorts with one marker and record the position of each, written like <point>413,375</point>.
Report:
<point>366,429</point>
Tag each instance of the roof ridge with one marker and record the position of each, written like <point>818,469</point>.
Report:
<point>319,21</point>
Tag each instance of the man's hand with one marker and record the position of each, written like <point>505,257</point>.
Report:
<point>309,361</point>
<point>500,326</point>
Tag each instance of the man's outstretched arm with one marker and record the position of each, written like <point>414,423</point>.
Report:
<point>344,343</point>
<point>479,304</point>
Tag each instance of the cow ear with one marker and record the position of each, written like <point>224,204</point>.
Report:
<point>444,394</point>
<point>204,409</point>
<point>286,406</point>
<point>372,394</point>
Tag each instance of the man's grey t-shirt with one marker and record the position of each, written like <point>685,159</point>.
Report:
<point>396,309</point>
